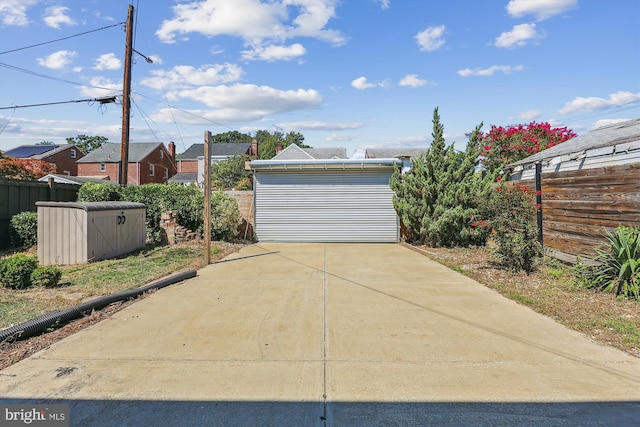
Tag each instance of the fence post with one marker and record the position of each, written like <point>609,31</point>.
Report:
<point>51,181</point>
<point>539,200</point>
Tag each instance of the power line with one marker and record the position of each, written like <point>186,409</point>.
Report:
<point>63,38</point>
<point>108,100</point>
<point>44,76</point>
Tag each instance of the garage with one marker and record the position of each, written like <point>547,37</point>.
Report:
<point>324,200</point>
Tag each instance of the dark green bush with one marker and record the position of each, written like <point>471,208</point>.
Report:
<point>46,276</point>
<point>23,230</point>
<point>99,192</point>
<point>15,271</point>
<point>511,213</point>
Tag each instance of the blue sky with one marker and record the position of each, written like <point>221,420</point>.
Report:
<point>349,73</point>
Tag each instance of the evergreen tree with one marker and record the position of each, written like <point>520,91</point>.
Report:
<point>437,198</point>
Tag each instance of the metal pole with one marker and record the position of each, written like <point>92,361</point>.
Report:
<point>539,200</point>
<point>207,198</point>
<point>126,100</point>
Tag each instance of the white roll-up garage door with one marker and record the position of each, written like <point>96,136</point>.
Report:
<point>325,206</point>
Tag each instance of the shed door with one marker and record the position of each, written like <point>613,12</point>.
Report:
<point>325,206</point>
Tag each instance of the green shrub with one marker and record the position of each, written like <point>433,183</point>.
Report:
<point>225,216</point>
<point>511,213</point>
<point>617,269</point>
<point>99,192</point>
<point>15,271</point>
<point>23,229</point>
<point>46,276</point>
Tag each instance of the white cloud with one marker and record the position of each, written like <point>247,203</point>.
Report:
<point>384,4</point>
<point>594,103</point>
<point>315,125</point>
<point>485,72</point>
<point>107,61</point>
<point>432,38</point>
<point>186,76</point>
<point>269,23</point>
<point>57,60</point>
<point>412,80</point>
<point>361,83</point>
<point>14,12</point>
<point>541,9</point>
<point>244,102</point>
<point>340,137</point>
<point>519,36</point>
<point>529,115</point>
<point>101,87</point>
<point>274,53</point>
<point>57,15</point>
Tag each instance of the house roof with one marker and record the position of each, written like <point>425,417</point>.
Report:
<point>399,152</point>
<point>78,180</point>
<point>327,153</point>
<point>293,152</point>
<point>222,149</point>
<point>184,177</point>
<point>615,134</point>
<point>109,152</point>
<point>26,151</point>
<point>58,149</point>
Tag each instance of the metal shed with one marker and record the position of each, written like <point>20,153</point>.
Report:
<point>325,200</point>
<point>75,233</point>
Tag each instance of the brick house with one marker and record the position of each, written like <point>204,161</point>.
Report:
<point>149,162</point>
<point>187,163</point>
<point>63,156</point>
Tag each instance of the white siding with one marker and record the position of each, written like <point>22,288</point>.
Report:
<point>325,206</point>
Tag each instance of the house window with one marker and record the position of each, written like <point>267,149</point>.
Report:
<point>67,173</point>
<point>166,173</point>
<point>152,170</point>
<point>103,167</point>
<point>161,154</point>
<point>73,153</point>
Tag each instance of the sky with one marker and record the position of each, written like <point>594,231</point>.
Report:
<point>344,73</point>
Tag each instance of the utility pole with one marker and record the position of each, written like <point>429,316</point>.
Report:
<point>126,101</point>
<point>207,197</point>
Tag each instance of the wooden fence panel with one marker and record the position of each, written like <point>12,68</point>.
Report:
<point>578,206</point>
<point>21,196</point>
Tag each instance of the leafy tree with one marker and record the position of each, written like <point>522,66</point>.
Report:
<point>503,145</point>
<point>233,137</point>
<point>228,173</point>
<point>46,143</point>
<point>24,169</point>
<point>86,144</point>
<point>437,199</point>
<point>267,142</point>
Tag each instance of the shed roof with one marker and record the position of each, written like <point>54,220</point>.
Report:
<point>618,133</point>
<point>93,206</point>
<point>78,180</point>
<point>326,164</point>
<point>109,152</point>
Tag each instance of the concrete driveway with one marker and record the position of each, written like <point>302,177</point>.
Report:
<point>329,334</point>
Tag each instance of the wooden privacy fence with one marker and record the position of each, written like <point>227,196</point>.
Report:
<point>577,207</point>
<point>20,196</point>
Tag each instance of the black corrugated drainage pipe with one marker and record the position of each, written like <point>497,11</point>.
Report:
<point>59,317</point>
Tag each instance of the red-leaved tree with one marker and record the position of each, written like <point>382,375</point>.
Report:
<point>503,145</point>
<point>24,169</point>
